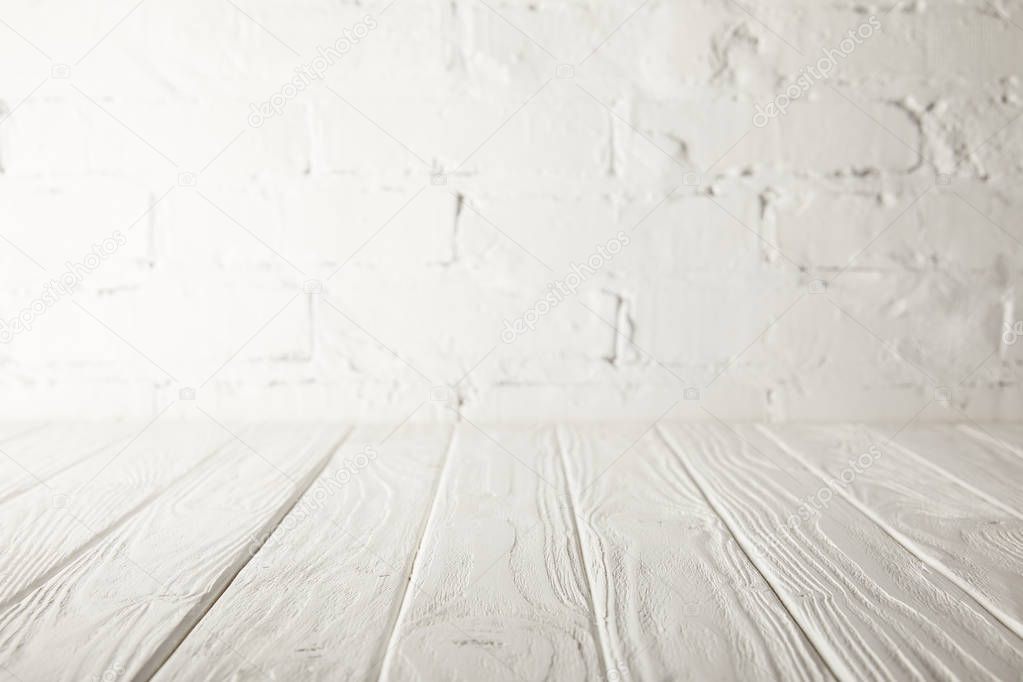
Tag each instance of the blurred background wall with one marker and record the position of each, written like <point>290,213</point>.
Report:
<point>786,210</point>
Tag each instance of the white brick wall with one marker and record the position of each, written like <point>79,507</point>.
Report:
<point>896,182</point>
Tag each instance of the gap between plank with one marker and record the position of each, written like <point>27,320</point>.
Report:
<point>195,615</point>
<point>904,541</point>
<point>982,435</point>
<point>572,506</point>
<point>98,537</point>
<point>941,471</point>
<point>819,650</point>
<point>19,434</point>
<point>391,641</point>
<point>57,472</point>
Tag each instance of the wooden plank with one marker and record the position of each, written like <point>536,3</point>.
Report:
<point>14,430</point>
<point>1007,437</point>
<point>988,469</point>
<point>47,526</point>
<point>871,608</point>
<point>965,538</point>
<point>125,604</point>
<point>498,591</point>
<point>35,455</point>
<point>675,596</point>
<point>11,431</point>
<point>318,601</point>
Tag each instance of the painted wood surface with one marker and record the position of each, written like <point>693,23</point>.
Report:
<point>1005,437</point>
<point>32,455</point>
<point>12,430</point>
<point>674,596</point>
<point>498,591</point>
<point>987,468</point>
<point>969,540</point>
<point>60,518</point>
<point>320,599</point>
<point>121,607</point>
<point>531,552</point>
<point>872,609</point>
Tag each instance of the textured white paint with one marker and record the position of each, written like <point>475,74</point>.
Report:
<point>104,108</point>
<point>543,551</point>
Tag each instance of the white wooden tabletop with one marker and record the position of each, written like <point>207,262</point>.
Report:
<point>187,551</point>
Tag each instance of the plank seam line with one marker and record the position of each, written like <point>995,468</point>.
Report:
<point>832,669</point>
<point>941,471</point>
<point>905,542</point>
<point>127,516</point>
<point>163,652</point>
<point>597,631</point>
<point>64,469</point>
<point>391,641</point>
<point>982,435</point>
<point>24,432</point>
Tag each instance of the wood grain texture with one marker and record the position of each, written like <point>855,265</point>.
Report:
<point>961,535</point>
<point>11,432</point>
<point>987,468</point>
<point>34,455</point>
<point>675,596</point>
<point>319,599</point>
<point>185,551</point>
<point>498,591</point>
<point>55,521</point>
<point>1008,438</point>
<point>121,607</point>
<point>871,608</point>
